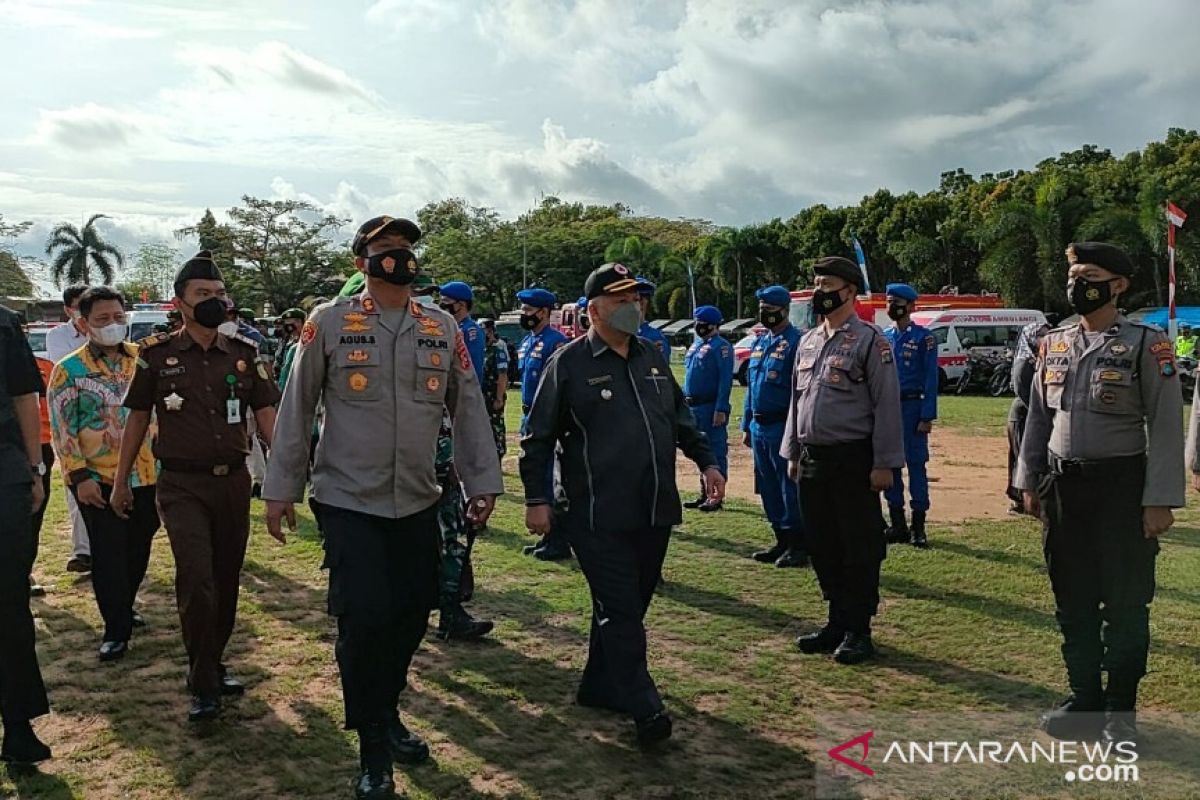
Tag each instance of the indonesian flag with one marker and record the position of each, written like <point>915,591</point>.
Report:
<point>1175,215</point>
<point>1175,219</point>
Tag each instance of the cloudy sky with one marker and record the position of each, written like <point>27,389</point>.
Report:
<point>151,110</point>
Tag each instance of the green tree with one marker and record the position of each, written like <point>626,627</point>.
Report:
<point>14,282</point>
<point>152,274</point>
<point>75,251</point>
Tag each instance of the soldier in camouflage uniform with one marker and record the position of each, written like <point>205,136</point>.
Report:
<point>495,383</point>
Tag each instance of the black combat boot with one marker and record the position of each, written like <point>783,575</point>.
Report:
<point>456,623</point>
<point>21,744</point>
<point>375,780</point>
<point>1120,714</point>
<point>854,649</point>
<point>918,530</point>
<point>794,555</point>
<point>1080,717</point>
<point>825,640</point>
<point>897,532</point>
<point>699,501</point>
<point>772,554</point>
<point>406,747</point>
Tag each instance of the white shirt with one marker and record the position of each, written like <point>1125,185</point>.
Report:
<point>63,340</point>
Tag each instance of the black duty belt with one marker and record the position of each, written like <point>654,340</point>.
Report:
<point>1093,467</point>
<point>769,419</point>
<point>832,452</point>
<point>700,401</point>
<point>912,395</point>
<point>175,465</point>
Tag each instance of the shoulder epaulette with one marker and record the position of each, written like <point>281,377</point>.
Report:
<point>153,340</point>
<point>1147,325</point>
<point>238,337</point>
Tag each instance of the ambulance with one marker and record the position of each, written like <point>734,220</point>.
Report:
<point>959,331</point>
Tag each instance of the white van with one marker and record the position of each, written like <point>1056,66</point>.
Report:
<point>960,330</point>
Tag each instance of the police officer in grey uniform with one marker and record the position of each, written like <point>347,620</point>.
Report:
<point>1101,460</point>
<point>842,440</point>
<point>384,366</point>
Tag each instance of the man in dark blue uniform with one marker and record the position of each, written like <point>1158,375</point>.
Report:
<point>707,380</point>
<point>915,351</point>
<point>457,300</point>
<point>645,290</point>
<point>768,395</point>
<point>535,350</point>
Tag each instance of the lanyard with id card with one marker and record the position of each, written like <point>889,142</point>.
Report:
<point>233,406</point>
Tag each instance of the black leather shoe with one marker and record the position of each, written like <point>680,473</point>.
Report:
<point>530,549</point>
<point>699,501</point>
<point>375,765</point>
<point>1076,719</point>
<point>552,553</point>
<point>1120,726</point>
<point>204,708</point>
<point>854,649</point>
<point>21,745</point>
<point>406,747</point>
<point>825,640</point>
<point>113,651</point>
<point>138,620</point>
<point>463,626</point>
<point>918,530</point>
<point>709,507</point>
<point>653,729</point>
<point>36,589</point>
<point>769,556</point>
<point>79,564</point>
<point>897,532</point>
<point>792,558</point>
<point>231,686</point>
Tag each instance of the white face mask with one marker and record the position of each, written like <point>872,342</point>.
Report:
<point>110,335</point>
<point>228,328</point>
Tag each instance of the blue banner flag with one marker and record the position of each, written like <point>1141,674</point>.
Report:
<point>862,264</point>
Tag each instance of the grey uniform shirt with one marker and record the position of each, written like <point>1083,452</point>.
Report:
<point>384,383</point>
<point>845,389</point>
<point>1118,396</point>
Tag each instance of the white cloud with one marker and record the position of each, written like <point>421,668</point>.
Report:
<point>88,127</point>
<point>408,15</point>
<point>277,63</point>
<point>68,15</point>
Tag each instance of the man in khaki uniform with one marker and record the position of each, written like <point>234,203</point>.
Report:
<point>385,367</point>
<point>1101,460</point>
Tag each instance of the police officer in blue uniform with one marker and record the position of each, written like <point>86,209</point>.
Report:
<point>647,331</point>
<point>915,351</point>
<point>707,381</point>
<point>768,396</point>
<point>457,300</point>
<point>535,350</point>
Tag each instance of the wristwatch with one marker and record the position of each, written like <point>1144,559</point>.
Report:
<point>39,469</point>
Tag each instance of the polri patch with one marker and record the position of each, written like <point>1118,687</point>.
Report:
<point>308,333</point>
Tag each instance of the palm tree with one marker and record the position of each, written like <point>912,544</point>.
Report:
<point>74,251</point>
<point>729,248</point>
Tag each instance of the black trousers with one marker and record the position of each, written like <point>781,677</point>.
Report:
<point>120,555</point>
<point>1101,569</point>
<point>40,513</point>
<point>843,531</point>
<point>622,570</point>
<point>383,583</point>
<point>22,693</point>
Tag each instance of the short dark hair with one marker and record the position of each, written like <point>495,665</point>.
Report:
<point>73,293</point>
<point>95,294</point>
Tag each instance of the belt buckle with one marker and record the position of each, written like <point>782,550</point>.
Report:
<point>220,469</point>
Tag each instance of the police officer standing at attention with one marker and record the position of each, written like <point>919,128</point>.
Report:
<point>22,693</point>
<point>535,350</point>
<point>707,381</point>
<point>915,351</point>
<point>842,442</point>
<point>385,367</point>
<point>610,401</point>
<point>646,330</point>
<point>769,386</point>
<point>199,384</point>
<point>457,300</point>
<point>1101,461</point>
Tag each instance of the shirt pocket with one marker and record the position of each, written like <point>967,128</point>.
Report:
<point>805,369</point>
<point>1055,380</point>
<point>1112,392</point>
<point>357,377</point>
<point>840,370</point>
<point>433,368</point>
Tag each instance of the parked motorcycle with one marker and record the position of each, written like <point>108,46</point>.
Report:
<point>1000,383</point>
<point>980,369</point>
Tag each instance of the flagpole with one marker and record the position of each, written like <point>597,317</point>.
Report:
<point>1175,219</point>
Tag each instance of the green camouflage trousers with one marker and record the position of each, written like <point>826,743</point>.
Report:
<point>499,430</point>
<point>457,578</point>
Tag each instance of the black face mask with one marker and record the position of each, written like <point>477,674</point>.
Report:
<point>209,313</point>
<point>1088,296</point>
<point>824,302</point>
<point>704,330</point>
<point>398,266</point>
<point>897,312</point>
<point>771,317</point>
<point>530,321</point>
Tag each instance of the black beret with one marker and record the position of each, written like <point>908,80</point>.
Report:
<point>842,268</point>
<point>609,279</point>
<point>1108,256</point>
<point>377,226</point>
<point>199,267</point>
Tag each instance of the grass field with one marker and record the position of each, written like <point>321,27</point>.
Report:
<point>966,629</point>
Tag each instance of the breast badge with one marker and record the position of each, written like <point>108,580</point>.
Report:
<point>358,382</point>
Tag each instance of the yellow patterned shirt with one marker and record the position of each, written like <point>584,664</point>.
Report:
<point>87,417</point>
